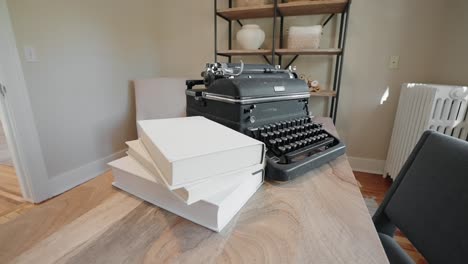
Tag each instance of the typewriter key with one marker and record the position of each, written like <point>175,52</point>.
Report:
<point>281,131</point>
<point>271,143</point>
<point>282,150</point>
<point>299,135</point>
<point>293,146</point>
<point>253,132</point>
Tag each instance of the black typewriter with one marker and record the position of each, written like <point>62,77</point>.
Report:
<point>268,104</point>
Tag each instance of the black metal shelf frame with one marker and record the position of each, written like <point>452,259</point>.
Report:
<point>339,57</point>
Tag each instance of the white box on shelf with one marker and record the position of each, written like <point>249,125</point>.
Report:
<point>196,191</point>
<point>213,213</point>
<point>189,149</point>
<point>307,37</point>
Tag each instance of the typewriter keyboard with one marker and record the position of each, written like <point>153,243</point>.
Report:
<point>293,140</point>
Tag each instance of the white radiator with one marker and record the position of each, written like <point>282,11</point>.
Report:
<point>421,107</point>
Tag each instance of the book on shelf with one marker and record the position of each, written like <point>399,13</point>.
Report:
<point>214,212</point>
<point>189,149</point>
<point>193,192</point>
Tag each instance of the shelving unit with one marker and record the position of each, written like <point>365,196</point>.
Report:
<point>308,51</point>
<point>316,7</point>
<point>323,93</point>
<point>236,13</point>
<point>243,52</point>
<point>280,10</point>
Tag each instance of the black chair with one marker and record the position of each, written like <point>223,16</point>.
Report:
<point>428,202</point>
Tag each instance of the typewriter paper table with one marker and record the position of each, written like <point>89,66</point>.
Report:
<point>317,218</point>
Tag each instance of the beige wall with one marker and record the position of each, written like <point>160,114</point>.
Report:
<point>186,37</point>
<point>89,51</point>
<point>378,30</point>
<point>80,92</point>
<point>451,63</point>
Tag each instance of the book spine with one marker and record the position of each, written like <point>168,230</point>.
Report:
<point>159,159</point>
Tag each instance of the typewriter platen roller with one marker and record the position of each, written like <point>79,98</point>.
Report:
<point>269,104</point>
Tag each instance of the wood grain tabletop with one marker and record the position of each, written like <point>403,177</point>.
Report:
<point>320,217</point>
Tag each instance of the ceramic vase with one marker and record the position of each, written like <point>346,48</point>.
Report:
<point>250,37</point>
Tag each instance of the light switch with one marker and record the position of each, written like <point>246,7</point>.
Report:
<point>394,61</point>
<point>30,54</point>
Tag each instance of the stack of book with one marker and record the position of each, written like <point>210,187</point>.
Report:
<point>193,167</point>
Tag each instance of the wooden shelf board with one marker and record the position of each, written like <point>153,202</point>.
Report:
<point>312,7</point>
<point>244,52</point>
<point>247,12</point>
<point>308,51</point>
<point>285,9</point>
<point>323,93</point>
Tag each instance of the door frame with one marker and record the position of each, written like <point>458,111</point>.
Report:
<point>20,126</point>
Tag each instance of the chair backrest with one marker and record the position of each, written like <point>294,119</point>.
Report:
<point>160,98</point>
<point>429,202</point>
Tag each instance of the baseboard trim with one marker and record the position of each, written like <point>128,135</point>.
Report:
<point>70,179</point>
<point>367,165</point>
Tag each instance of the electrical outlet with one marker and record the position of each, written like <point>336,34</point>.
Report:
<point>394,61</point>
<point>30,54</point>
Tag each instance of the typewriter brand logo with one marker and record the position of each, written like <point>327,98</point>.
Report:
<point>279,88</point>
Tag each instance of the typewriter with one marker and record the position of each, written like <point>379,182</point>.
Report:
<point>270,105</point>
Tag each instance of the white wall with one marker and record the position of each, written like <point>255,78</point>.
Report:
<point>186,37</point>
<point>80,89</point>
<point>378,30</point>
<point>451,62</point>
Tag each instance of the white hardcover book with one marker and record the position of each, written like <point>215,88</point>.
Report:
<point>194,192</point>
<point>214,212</point>
<point>188,149</point>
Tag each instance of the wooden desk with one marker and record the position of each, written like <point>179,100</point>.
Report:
<point>318,218</point>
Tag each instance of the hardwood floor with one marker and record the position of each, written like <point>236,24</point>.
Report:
<point>60,212</point>
<point>5,155</point>
<point>11,201</point>
<point>373,185</point>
